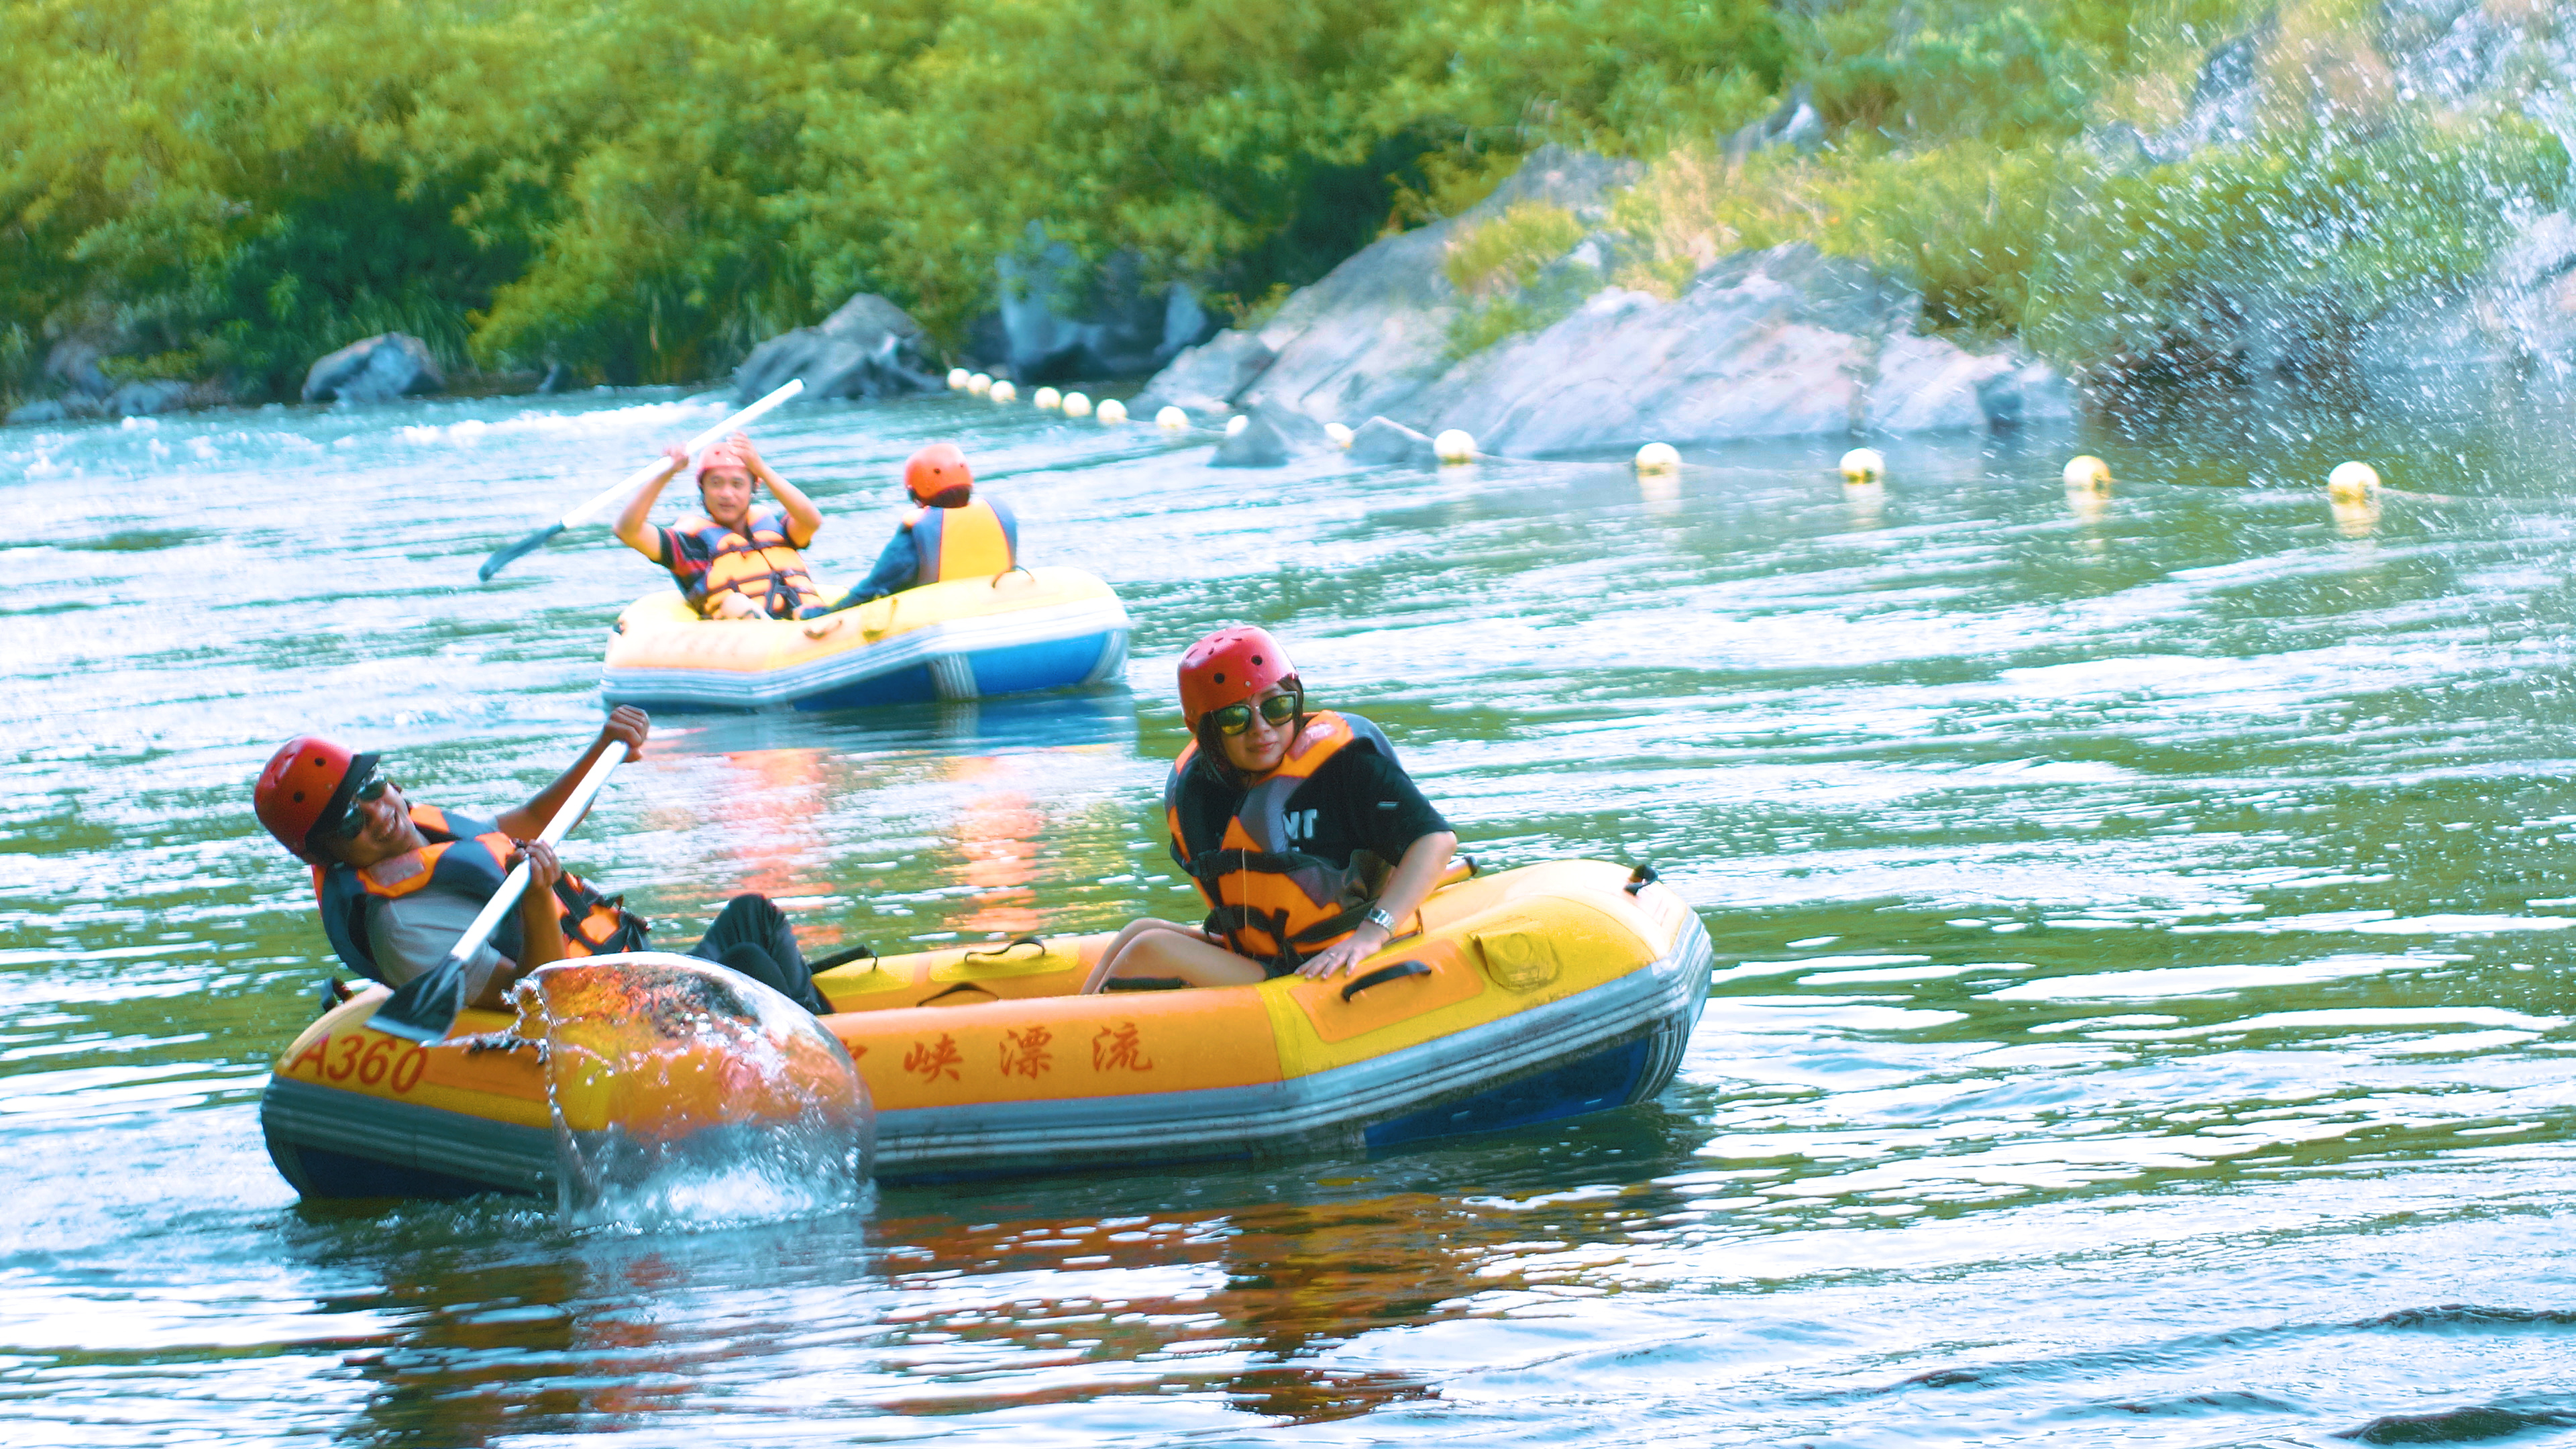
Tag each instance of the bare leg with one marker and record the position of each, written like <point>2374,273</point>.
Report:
<point>1161,949</point>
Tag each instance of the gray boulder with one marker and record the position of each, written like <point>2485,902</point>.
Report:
<point>1781,343</point>
<point>1270,436</point>
<point>1060,319</point>
<point>869,348</point>
<point>379,369</point>
<point>153,395</point>
<point>42,410</point>
<point>1374,332</point>
<point>1795,125</point>
<point>1207,378</point>
<point>1254,445</point>
<point>1384,440</point>
<point>74,363</point>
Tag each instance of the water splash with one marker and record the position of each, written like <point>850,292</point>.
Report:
<point>684,1095</point>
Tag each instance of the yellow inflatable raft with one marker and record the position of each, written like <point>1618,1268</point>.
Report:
<point>1013,633</point>
<point>1519,997</point>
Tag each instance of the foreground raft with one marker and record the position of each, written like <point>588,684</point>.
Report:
<point>1014,633</point>
<point>1525,997</point>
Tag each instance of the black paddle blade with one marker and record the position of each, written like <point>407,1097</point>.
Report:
<point>505,557</point>
<point>427,1004</point>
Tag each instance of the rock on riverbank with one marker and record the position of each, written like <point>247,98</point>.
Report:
<point>869,348</point>
<point>378,369</point>
<point>1781,343</point>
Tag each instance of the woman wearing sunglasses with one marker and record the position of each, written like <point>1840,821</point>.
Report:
<point>1306,838</point>
<point>399,882</point>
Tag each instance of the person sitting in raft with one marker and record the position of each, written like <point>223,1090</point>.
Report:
<point>949,534</point>
<point>731,561</point>
<point>1286,821</point>
<point>399,883</point>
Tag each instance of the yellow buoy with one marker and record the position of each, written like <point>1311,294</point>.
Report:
<point>1047,398</point>
<point>1659,458</point>
<point>1003,391</point>
<point>1076,405</point>
<point>1237,423</point>
<point>1456,445</point>
<point>980,384</point>
<point>2352,481</point>
<point>1339,433</point>
<point>1863,465</point>
<point>1171,420</point>
<point>2087,473</point>
<point>957,379</point>
<point>1111,411</point>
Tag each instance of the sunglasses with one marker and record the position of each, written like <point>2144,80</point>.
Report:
<point>1234,719</point>
<point>351,823</point>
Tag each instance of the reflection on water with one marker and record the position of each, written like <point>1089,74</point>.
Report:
<point>2142,921</point>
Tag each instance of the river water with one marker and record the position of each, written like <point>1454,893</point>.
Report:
<point>2141,932</point>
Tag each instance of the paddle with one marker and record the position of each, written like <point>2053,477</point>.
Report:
<point>426,1006</point>
<point>637,479</point>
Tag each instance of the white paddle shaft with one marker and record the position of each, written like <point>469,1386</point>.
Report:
<point>697,446</point>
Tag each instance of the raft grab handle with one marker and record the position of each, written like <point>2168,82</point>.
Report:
<point>1004,954</point>
<point>1383,975</point>
<point>1639,878</point>
<point>860,952</point>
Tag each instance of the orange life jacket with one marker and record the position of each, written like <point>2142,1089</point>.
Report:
<point>759,564</point>
<point>975,540</point>
<point>465,858</point>
<point>1273,903</point>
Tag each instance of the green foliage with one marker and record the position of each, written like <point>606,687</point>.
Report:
<point>1504,253</point>
<point>644,191</point>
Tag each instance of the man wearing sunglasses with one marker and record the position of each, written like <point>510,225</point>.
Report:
<point>1287,822</point>
<point>399,882</point>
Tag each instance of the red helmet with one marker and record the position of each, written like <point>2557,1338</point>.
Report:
<point>309,780</point>
<point>722,455</point>
<point>937,470</point>
<point>1229,667</point>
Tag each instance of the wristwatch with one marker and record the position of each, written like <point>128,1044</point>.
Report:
<point>1377,916</point>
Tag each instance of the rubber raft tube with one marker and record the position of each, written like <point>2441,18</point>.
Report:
<point>1014,633</point>
<point>1518,998</point>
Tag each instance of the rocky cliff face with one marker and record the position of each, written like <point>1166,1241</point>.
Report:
<point>1780,343</point>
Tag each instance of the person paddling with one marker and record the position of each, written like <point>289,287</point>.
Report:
<point>1287,822</point>
<point>732,561</point>
<point>399,883</point>
<point>950,533</point>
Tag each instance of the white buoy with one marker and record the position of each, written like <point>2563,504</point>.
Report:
<point>1237,423</point>
<point>1171,420</point>
<point>2088,473</point>
<point>1456,445</point>
<point>1340,433</point>
<point>1003,391</point>
<point>1657,458</point>
<point>1863,465</point>
<point>1076,405</point>
<point>957,379</point>
<point>1047,398</point>
<point>980,384</point>
<point>1111,411</point>
<point>2352,481</point>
